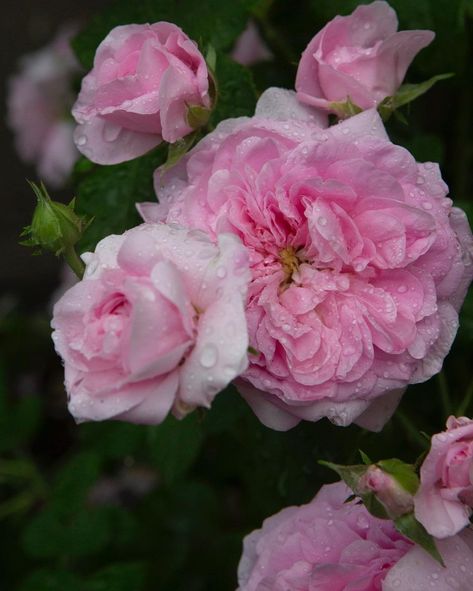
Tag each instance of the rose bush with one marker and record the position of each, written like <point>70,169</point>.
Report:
<point>157,324</point>
<point>332,544</point>
<point>444,501</point>
<point>359,261</point>
<point>144,79</point>
<point>39,98</point>
<point>359,57</point>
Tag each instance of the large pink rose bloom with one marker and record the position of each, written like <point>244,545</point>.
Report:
<point>138,93</point>
<point>39,100</point>
<point>444,501</point>
<point>359,261</point>
<point>360,56</point>
<point>157,324</point>
<point>332,545</point>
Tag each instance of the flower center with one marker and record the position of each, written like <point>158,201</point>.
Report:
<point>289,261</point>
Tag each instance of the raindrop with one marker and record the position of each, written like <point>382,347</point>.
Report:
<point>81,140</point>
<point>209,356</point>
<point>221,272</point>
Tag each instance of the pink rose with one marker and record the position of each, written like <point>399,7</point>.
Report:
<point>444,501</point>
<point>157,324</point>
<point>39,98</point>
<point>332,545</point>
<point>326,544</point>
<point>144,79</point>
<point>359,262</point>
<point>250,48</point>
<point>360,57</point>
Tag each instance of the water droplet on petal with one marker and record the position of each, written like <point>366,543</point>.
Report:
<point>81,140</point>
<point>209,356</point>
<point>221,272</point>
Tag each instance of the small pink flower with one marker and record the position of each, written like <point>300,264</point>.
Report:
<point>250,48</point>
<point>157,324</point>
<point>144,79</point>
<point>39,100</point>
<point>359,261</point>
<point>444,501</point>
<point>332,545</point>
<point>360,56</point>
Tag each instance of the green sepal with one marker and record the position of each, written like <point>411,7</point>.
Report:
<point>406,94</point>
<point>345,109</point>
<point>404,474</point>
<point>408,526</point>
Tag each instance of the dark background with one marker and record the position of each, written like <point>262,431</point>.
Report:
<point>26,26</point>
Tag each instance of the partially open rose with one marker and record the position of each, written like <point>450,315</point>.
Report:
<point>444,501</point>
<point>359,57</point>
<point>144,79</point>
<point>157,323</point>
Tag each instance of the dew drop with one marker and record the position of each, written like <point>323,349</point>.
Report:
<point>221,272</point>
<point>209,356</point>
<point>81,140</point>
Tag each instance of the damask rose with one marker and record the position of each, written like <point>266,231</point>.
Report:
<point>394,497</point>
<point>39,99</point>
<point>359,57</point>
<point>331,544</point>
<point>156,325</point>
<point>359,261</point>
<point>444,501</point>
<point>144,80</point>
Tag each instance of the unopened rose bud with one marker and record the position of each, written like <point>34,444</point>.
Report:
<point>55,227</point>
<point>395,499</point>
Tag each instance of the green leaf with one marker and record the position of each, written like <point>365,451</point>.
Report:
<point>365,458</point>
<point>236,91</point>
<point>403,473</point>
<point>52,580</point>
<point>211,22</point>
<point>74,480</point>
<point>117,577</point>
<point>177,150</point>
<point>345,109</point>
<point>174,445</point>
<point>51,534</point>
<point>109,194</point>
<point>408,93</point>
<point>408,526</point>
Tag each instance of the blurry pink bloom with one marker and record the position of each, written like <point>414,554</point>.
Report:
<point>359,261</point>
<point>157,324</point>
<point>39,100</point>
<point>250,48</point>
<point>360,56</point>
<point>144,79</point>
<point>444,501</point>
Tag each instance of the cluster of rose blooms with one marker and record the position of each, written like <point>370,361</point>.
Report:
<point>319,268</point>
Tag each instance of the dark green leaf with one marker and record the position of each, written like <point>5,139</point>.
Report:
<point>52,580</point>
<point>175,445</point>
<point>109,194</point>
<point>236,91</point>
<point>117,577</point>
<point>51,534</point>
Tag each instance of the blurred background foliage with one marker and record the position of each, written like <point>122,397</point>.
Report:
<point>112,507</point>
